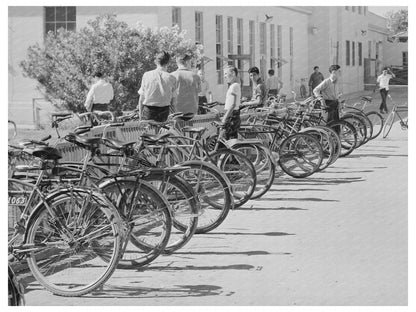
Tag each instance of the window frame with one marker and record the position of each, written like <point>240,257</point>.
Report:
<point>54,22</point>
<point>347,53</point>
<point>177,17</point>
<point>199,27</point>
<point>219,49</point>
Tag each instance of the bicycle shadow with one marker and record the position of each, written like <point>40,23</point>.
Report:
<point>176,291</point>
<point>271,209</point>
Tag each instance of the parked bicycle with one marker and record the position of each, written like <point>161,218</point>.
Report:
<point>404,122</point>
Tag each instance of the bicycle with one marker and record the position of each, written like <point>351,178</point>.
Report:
<point>71,236</point>
<point>404,123</point>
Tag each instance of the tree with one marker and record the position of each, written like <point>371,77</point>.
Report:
<point>397,21</point>
<point>63,66</point>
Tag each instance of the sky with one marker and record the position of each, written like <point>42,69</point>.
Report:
<point>381,10</point>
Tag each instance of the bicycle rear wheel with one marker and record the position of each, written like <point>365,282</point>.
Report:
<point>75,249</point>
<point>360,127</point>
<point>389,124</point>
<point>377,121</point>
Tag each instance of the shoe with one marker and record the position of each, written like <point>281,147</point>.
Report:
<point>386,111</point>
<point>381,111</point>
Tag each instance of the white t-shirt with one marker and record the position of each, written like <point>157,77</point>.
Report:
<point>101,92</point>
<point>229,98</point>
<point>383,81</point>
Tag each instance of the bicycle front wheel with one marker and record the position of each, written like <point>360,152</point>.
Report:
<point>300,155</point>
<point>239,171</point>
<point>388,125</point>
<point>212,190</point>
<point>146,212</point>
<point>76,248</point>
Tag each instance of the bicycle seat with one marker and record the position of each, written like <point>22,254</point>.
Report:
<point>87,143</point>
<point>198,130</point>
<point>155,138</point>
<point>118,145</point>
<point>44,152</point>
<point>62,115</point>
<point>366,98</point>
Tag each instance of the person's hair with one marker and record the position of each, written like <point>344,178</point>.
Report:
<point>162,58</point>
<point>182,59</point>
<point>334,67</point>
<point>233,69</point>
<point>254,70</point>
<point>386,68</point>
<point>98,74</point>
<point>316,67</point>
<point>271,72</point>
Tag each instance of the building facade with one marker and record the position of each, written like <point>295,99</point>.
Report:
<point>291,40</point>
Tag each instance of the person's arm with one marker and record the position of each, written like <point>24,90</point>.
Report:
<point>319,88</point>
<point>88,101</point>
<point>391,74</point>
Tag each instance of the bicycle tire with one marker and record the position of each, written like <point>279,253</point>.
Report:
<point>335,140</point>
<point>212,190</point>
<point>239,171</point>
<point>360,127</point>
<point>347,135</point>
<point>263,164</point>
<point>389,124</point>
<point>183,205</point>
<point>377,121</point>
<point>78,214</point>
<point>292,155</point>
<point>325,140</point>
<point>148,217</point>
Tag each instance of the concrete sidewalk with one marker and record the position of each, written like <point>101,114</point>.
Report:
<point>336,238</point>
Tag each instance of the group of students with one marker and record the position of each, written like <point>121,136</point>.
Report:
<point>183,90</point>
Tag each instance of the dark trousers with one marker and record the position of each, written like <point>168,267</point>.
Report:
<point>383,105</point>
<point>332,107</point>
<point>97,107</point>
<point>156,113</point>
<point>232,124</point>
<point>273,92</point>
<point>201,109</point>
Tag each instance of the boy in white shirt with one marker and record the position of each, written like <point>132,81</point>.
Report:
<point>383,83</point>
<point>231,118</point>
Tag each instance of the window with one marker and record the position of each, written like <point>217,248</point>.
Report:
<point>291,40</point>
<point>377,50</point>
<point>263,38</point>
<point>404,56</point>
<point>230,34</point>
<point>360,54</point>
<point>353,53</point>
<point>347,53</point>
<point>252,41</point>
<point>272,46</point>
<point>239,41</point>
<point>347,8</point>
<point>176,17</point>
<point>218,48</point>
<point>199,32</point>
<point>365,10</point>
<point>279,50</point>
<point>369,49</point>
<point>60,17</point>
<point>353,9</point>
<point>359,10</point>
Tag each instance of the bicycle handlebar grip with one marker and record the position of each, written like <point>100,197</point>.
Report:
<point>46,138</point>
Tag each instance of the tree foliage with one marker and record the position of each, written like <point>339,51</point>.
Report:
<point>397,21</point>
<point>64,65</point>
